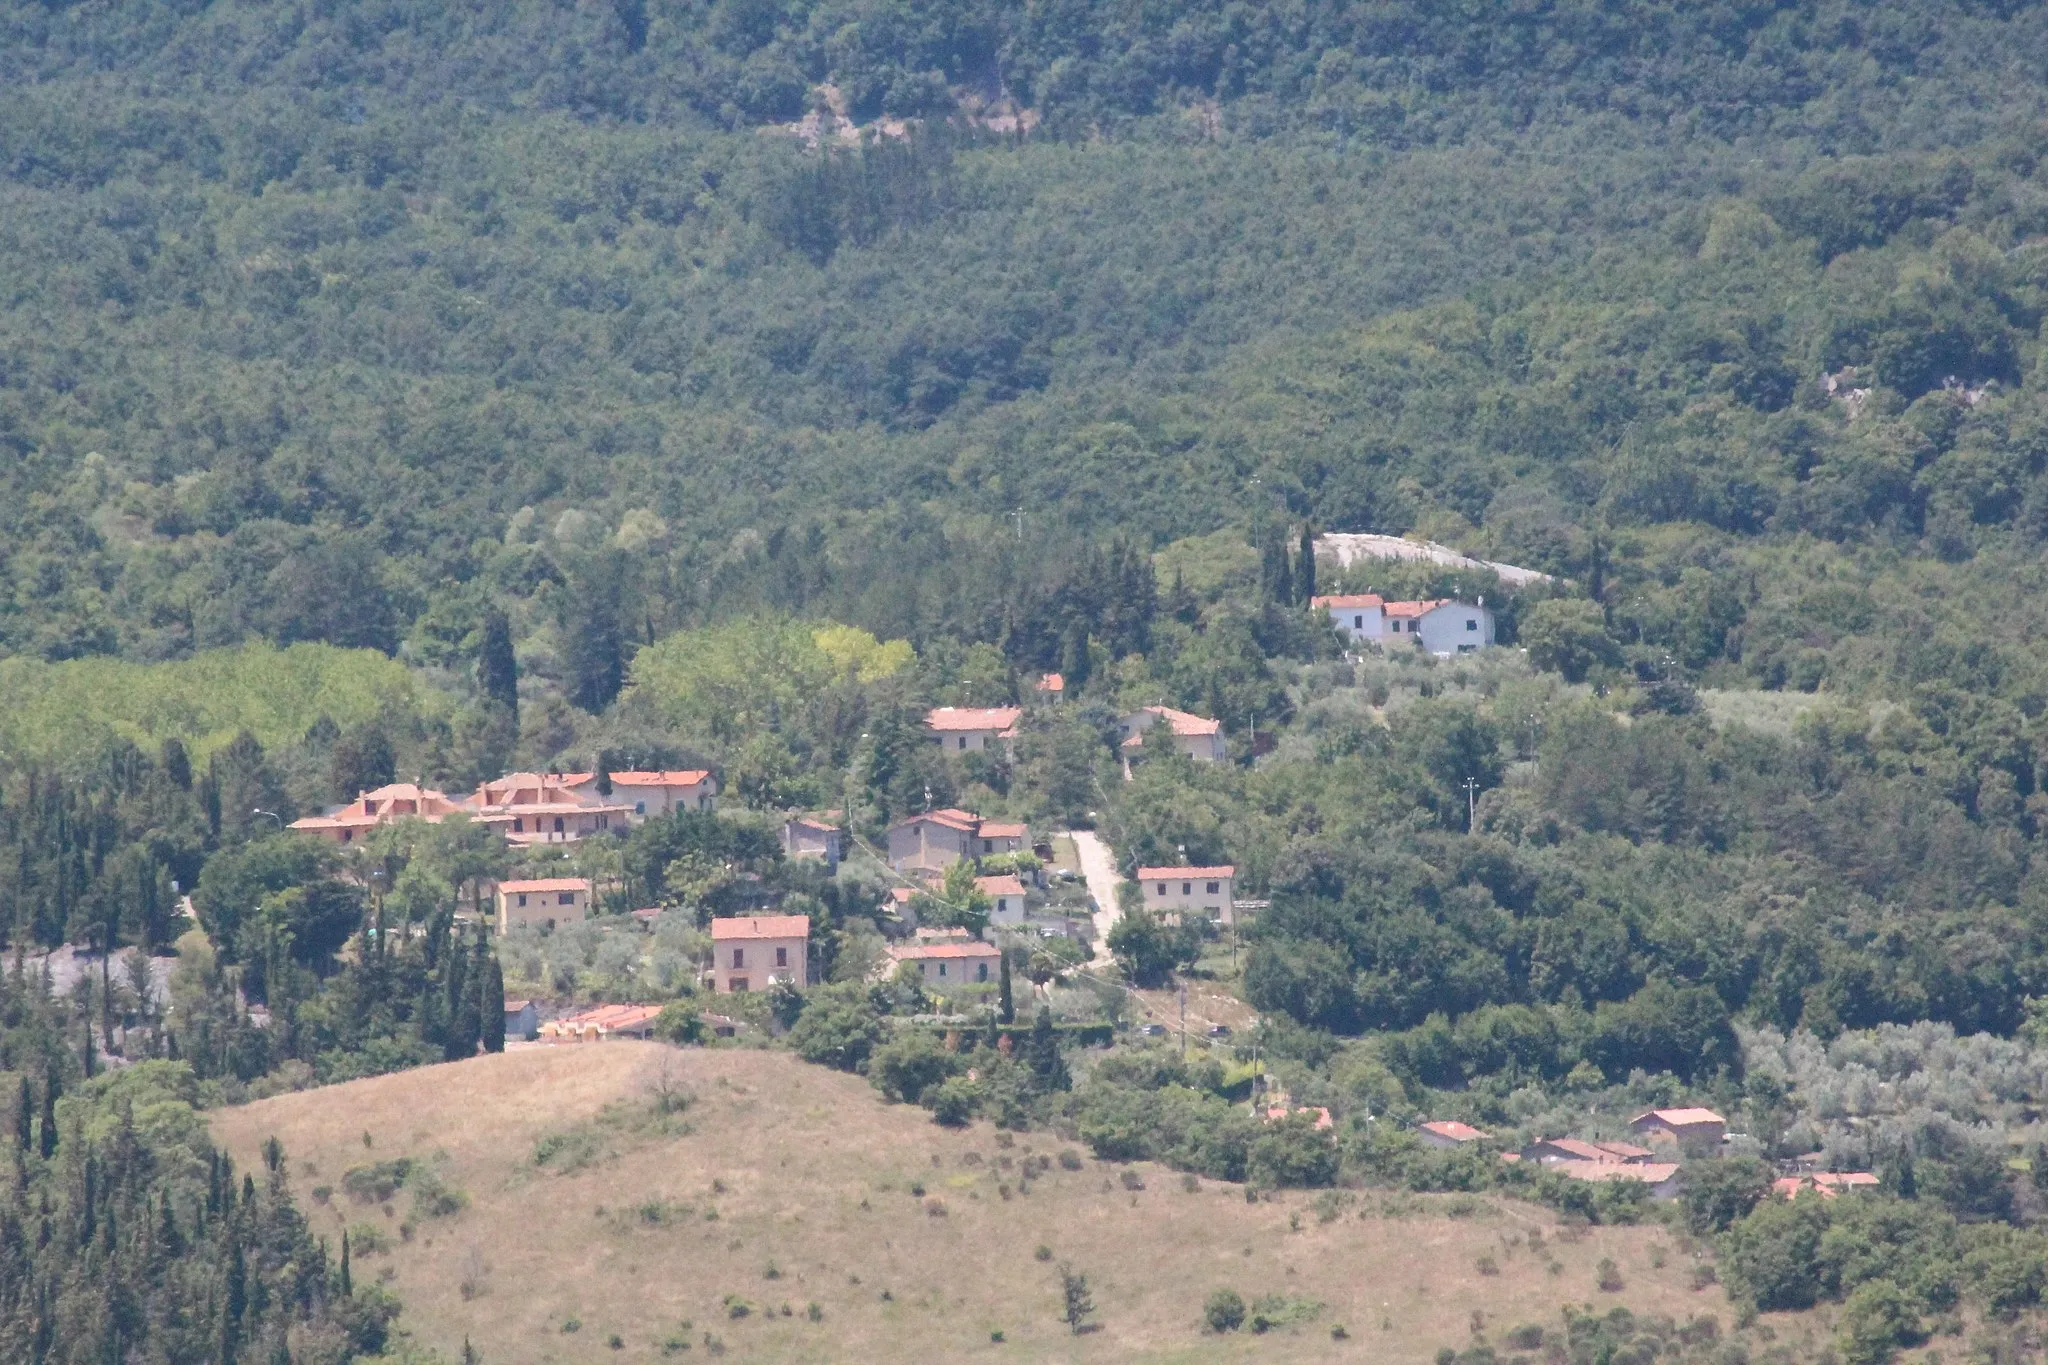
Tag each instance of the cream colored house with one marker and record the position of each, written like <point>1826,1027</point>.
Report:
<point>396,801</point>
<point>1196,736</point>
<point>753,952</point>
<point>547,808</point>
<point>972,729</point>
<point>545,903</point>
<point>1005,898</point>
<point>1177,891</point>
<point>805,836</point>
<point>652,793</point>
<point>947,965</point>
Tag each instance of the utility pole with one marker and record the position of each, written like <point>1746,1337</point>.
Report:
<point>1471,802</point>
<point>1017,516</point>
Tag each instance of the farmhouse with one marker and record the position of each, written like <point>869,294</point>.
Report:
<point>1442,627</point>
<point>1051,687</point>
<point>1826,1184</point>
<point>522,1017</point>
<point>1196,736</point>
<point>1005,898</point>
<point>937,839</point>
<point>1691,1129</point>
<point>602,1024</point>
<point>752,952</point>
<point>546,903</point>
<point>1176,890</point>
<point>1360,616</point>
<point>1661,1176</point>
<point>972,729</point>
<point>1551,1151</point>
<point>945,965</point>
<point>805,836</point>
<point>1448,1133</point>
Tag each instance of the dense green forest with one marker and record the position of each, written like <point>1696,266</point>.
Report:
<point>413,390</point>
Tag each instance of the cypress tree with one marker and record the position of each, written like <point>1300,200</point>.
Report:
<point>1305,566</point>
<point>491,1003</point>
<point>1044,1053</point>
<point>1074,659</point>
<point>347,1288</point>
<point>49,1134</point>
<point>25,1117</point>
<point>1008,1006</point>
<point>497,666</point>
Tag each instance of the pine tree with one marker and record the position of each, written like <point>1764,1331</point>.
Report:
<point>595,647</point>
<point>497,668</point>
<point>1043,1054</point>
<point>1276,575</point>
<point>491,1003</point>
<point>1305,566</point>
<point>347,1288</point>
<point>1008,1007</point>
<point>1074,659</point>
<point>25,1117</point>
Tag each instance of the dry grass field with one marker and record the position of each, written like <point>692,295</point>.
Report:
<point>794,1186</point>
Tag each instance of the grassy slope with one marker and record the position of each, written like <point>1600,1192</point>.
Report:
<point>817,1173</point>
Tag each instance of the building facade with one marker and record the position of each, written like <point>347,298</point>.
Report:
<point>753,952</point>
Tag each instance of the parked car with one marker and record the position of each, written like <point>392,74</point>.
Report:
<point>1154,1030</point>
<point>1219,1030</point>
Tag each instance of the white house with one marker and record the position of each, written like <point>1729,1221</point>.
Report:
<point>1177,890</point>
<point>1005,898</point>
<point>1196,736</point>
<point>1362,616</point>
<point>1443,627</point>
<point>542,902</point>
<point>972,729</point>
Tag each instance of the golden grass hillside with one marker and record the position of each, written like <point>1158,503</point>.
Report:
<point>795,1186</point>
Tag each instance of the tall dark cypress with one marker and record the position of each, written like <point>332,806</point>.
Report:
<point>1009,1005</point>
<point>347,1288</point>
<point>25,1117</point>
<point>49,1134</point>
<point>596,649</point>
<point>1305,566</point>
<point>491,1003</point>
<point>497,667</point>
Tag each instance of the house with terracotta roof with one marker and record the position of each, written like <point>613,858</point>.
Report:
<point>1361,616</point>
<point>1443,627</point>
<point>648,793</point>
<point>933,840</point>
<point>1005,898</point>
<point>1196,736</point>
<point>993,838</point>
<point>1051,687</point>
<point>522,1018</point>
<point>807,836</point>
<point>1448,1133</point>
<point>1826,1184</point>
<point>972,729</point>
<point>1276,1112</point>
<point>948,964</point>
<point>1175,891</point>
<point>545,903</point>
<point>547,808</point>
<point>350,821</point>
<point>1552,1150</point>
<point>752,952</point>
<point>602,1024</point>
<point>1660,1176</point>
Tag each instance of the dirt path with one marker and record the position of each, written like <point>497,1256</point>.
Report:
<point>1098,868</point>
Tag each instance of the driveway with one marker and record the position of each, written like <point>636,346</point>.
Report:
<point>1098,869</point>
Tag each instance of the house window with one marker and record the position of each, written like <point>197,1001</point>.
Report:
<point>942,969</point>
<point>566,898</point>
<point>1471,625</point>
<point>518,825</point>
<point>981,971</point>
<point>739,957</point>
<point>1212,888</point>
<point>782,957</point>
<point>1159,888</point>
<point>558,824</point>
<point>988,845</point>
<point>639,808</point>
<point>963,741</point>
<point>738,985</point>
<point>348,836</point>
<point>1358,623</point>
<point>522,900</point>
<point>1186,888</point>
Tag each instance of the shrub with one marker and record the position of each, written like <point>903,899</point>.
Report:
<point>1224,1312</point>
<point>1526,1337</point>
<point>1070,1160</point>
<point>953,1101</point>
<point>906,1067</point>
<point>1610,1276</point>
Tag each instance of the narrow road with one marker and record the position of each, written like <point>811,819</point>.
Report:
<point>1098,868</point>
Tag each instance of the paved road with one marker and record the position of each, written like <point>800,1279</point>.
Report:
<point>1098,868</point>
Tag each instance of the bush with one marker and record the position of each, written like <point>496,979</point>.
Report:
<point>953,1102</point>
<point>839,1028</point>
<point>1224,1312</point>
<point>679,1022</point>
<point>905,1067</point>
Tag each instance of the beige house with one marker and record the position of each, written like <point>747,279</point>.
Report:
<point>396,801</point>
<point>1051,687</point>
<point>993,838</point>
<point>1551,1151</point>
<point>546,903</point>
<point>651,793</point>
<point>547,808</point>
<point>1660,1176</point>
<point>934,840</point>
<point>946,965</point>
<point>1196,736</point>
<point>1448,1133</point>
<point>1005,898</point>
<point>602,1024</point>
<point>1176,891</point>
<point>752,952</point>
<point>972,729</point>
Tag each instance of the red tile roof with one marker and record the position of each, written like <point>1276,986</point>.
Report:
<point>997,829</point>
<point>1452,1129</point>
<point>952,819</point>
<point>999,886</point>
<point>1406,609</point>
<point>761,926</point>
<point>1649,1172</point>
<point>548,884</point>
<point>1182,722</point>
<point>1167,874</point>
<point>952,718</point>
<point>1323,1119</point>
<point>686,777</point>
<point>914,952</point>
<point>1348,599</point>
<point>1679,1118</point>
<point>1051,682</point>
